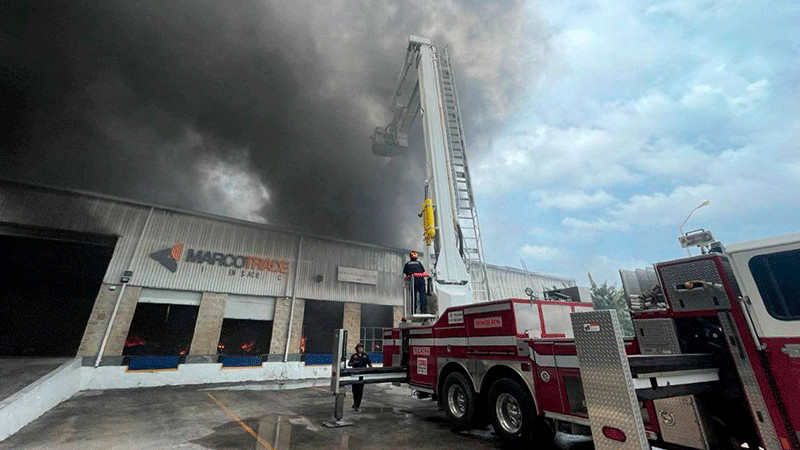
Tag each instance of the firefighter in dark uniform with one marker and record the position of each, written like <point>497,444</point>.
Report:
<point>412,267</point>
<point>359,359</point>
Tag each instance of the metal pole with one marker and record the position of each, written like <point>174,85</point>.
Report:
<point>294,296</point>
<point>121,292</point>
<point>108,328</point>
<point>405,299</point>
<point>680,227</point>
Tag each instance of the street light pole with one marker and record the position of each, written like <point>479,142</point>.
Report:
<point>680,227</point>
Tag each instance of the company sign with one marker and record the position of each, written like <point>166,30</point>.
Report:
<point>455,317</point>
<point>354,275</point>
<point>241,265</point>
<point>489,322</point>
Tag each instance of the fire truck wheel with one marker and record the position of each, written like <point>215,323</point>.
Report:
<point>512,414</point>
<point>459,400</point>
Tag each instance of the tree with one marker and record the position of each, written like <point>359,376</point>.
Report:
<point>609,297</point>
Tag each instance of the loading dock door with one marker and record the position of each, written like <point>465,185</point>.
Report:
<point>246,325</point>
<point>320,319</point>
<point>48,288</point>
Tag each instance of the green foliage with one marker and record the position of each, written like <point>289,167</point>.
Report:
<point>607,296</point>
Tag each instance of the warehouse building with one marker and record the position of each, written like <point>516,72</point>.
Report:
<point>149,287</point>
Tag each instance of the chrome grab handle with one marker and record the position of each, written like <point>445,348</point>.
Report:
<point>793,350</point>
<point>691,285</point>
<point>743,301</point>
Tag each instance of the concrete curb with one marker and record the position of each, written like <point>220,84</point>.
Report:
<point>70,378</point>
<point>117,377</point>
<point>39,397</point>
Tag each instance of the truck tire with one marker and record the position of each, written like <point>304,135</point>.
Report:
<point>459,400</point>
<point>513,415</point>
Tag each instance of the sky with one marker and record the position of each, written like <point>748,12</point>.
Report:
<point>642,111</point>
<point>593,128</point>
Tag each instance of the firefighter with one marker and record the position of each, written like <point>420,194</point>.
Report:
<point>418,288</point>
<point>359,359</point>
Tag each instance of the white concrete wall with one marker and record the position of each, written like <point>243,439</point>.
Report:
<point>38,397</point>
<point>117,377</point>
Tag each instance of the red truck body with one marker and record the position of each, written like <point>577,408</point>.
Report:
<point>531,343</point>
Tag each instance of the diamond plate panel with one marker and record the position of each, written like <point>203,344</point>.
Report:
<point>680,422</point>
<point>752,391</point>
<point>657,336</point>
<point>698,299</point>
<point>610,397</point>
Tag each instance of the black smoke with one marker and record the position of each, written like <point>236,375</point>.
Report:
<point>153,100</point>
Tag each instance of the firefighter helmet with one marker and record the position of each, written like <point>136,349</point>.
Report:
<point>413,255</point>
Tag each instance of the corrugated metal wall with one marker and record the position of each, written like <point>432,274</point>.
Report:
<point>199,234</point>
<point>508,282</point>
<point>42,207</point>
<point>91,213</point>
<point>320,257</point>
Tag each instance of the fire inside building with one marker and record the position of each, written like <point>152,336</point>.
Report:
<point>141,287</point>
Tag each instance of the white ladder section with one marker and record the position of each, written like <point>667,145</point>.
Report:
<point>466,214</point>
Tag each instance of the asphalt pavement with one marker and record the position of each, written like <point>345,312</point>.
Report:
<point>249,416</point>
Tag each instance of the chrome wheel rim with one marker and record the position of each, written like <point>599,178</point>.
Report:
<point>509,414</point>
<point>456,400</point>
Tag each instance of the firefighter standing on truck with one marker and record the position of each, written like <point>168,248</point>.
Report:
<point>418,288</point>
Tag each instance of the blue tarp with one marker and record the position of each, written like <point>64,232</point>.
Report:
<point>376,357</point>
<point>242,361</point>
<point>153,362</point>
<point>318,359</point>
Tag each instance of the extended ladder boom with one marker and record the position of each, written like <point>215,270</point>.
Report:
<point>456,253</point>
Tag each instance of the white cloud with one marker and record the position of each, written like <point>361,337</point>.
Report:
<point>573,201</point>
<point>540,252</point>
<point>754,92</point>
<point>548,156</point>
<point>592,226</point>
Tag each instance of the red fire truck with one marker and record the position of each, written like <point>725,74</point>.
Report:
<point>714,363</point>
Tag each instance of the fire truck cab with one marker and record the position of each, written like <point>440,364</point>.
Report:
<point>714,363</point>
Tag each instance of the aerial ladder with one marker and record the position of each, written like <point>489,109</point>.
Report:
<point>426,87</point>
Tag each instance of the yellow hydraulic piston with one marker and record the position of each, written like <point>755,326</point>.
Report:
<point>428,221</point>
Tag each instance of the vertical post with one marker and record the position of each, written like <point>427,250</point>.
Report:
<point>405,299</point>
<point>338,406</point>
<point>122,291</point>
<point>294,296</point>
<point>110,324</point>
<point>339,358</point>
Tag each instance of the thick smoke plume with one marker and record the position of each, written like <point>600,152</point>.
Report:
<point>257,110</point>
